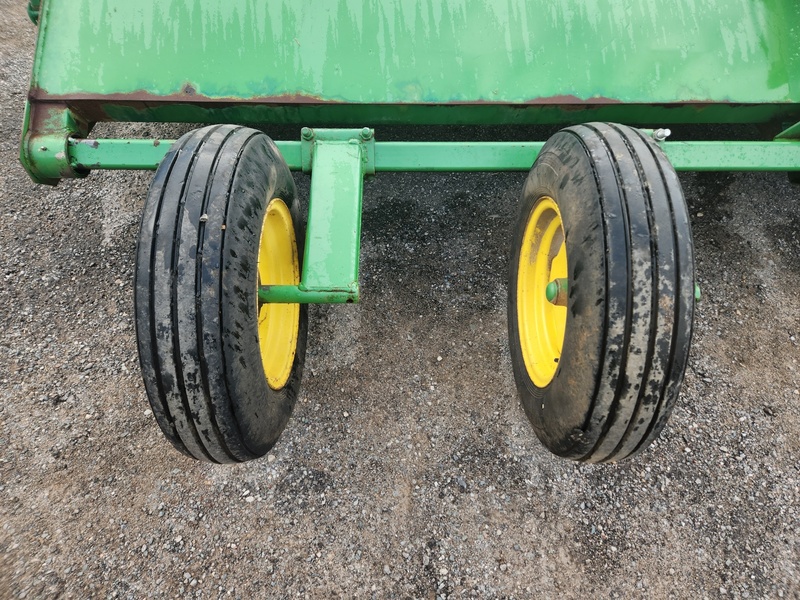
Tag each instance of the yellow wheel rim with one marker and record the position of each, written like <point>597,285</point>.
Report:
<point>278,324</point>
<point>543,259</point>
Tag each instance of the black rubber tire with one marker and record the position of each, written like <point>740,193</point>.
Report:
<point>196,295</point>
<point>630,305</point>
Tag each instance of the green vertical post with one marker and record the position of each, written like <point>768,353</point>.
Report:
<point>338,159</point>
<point>333,236</point>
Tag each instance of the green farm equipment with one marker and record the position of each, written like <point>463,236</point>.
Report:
<point>601,282</point>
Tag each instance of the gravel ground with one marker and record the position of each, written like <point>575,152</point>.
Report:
<point>408,468</point>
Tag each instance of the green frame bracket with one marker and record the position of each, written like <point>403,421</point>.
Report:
<point>364,137</point>
<point>337,159</point>
<point>45,149</point>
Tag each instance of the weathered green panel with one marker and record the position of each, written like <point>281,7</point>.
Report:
<point>526,53</point>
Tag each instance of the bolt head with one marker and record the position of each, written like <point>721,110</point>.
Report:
<point>307,133</point>
<point>660,135</point>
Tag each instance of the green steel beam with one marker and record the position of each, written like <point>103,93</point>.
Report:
<point>293,294</point>
<point>268,113</point>
<point>455,156</point>
<point>365,137</point>
<point>734,156</point>
<point>515,156</point>
<point>117,154</point>
<point>780,155</point>
<point>137,155</point>
<point>337,160</point>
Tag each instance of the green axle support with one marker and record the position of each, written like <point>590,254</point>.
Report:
<point>780,155</point>
<point>338,160</point>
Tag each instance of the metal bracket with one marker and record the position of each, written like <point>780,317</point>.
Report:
<point>45,151</point>
<point>365,137</point>
<point>338,159</point>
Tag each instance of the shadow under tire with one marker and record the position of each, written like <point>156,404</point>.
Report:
<point>604,223</point>
<point>220,218</point>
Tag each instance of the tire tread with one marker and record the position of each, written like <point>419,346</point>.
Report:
<point>182,332</point>
<point>642,256</point>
